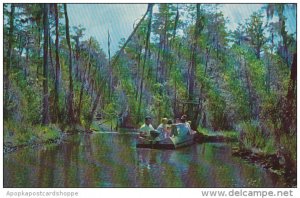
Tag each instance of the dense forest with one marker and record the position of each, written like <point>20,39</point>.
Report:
<point>179,59</point>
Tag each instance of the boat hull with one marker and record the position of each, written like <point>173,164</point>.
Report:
<point>168,143</point>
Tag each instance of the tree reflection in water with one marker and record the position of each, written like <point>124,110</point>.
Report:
<point>111,160</point>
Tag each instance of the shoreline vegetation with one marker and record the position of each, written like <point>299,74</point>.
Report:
<point>17,137</point>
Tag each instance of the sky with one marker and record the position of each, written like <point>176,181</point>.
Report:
<point>119,19</point>
<point>99,18</point>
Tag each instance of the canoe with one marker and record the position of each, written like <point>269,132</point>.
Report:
<point>168,143</point>
<point>179,139</point>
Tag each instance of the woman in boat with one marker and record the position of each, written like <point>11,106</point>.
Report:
<point>162,128</point>
<point>185,127</point>
<point>188,124</point>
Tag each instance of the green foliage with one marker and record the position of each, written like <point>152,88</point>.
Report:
<point>223,133</point>
<point>237,105</point>
<point>250,132</point>
<point>252,136</point>
<point>85,109</point>
<point>255,30</point>
<point>257,73</point>
<point>289,143</point>
<point>25,133</point>
<point>161,108</point>
<point>269,147</point>
<point>216,108</point>
<point>46,133</point>
<point>23,102</point>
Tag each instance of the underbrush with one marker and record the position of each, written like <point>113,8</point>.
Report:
<point>223,133</point>
<point>252,137</point>
<point>16,134</point>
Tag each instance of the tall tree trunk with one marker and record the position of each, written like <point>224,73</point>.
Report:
<point>150,8</point>
<point>110,68</point>
<point>76,38</point>
<point>283,32</point>
<point>94,105</point>
<point>173,36</point>
<point>46,117</point>
<point>201,99</point>
<point>268,75</point>
<point>52,70</point>
<point>249,88</point>
<point>269,61</point>
<point>175,99</point>
<point>257,52</point>
<point>71,119</point>
<point>193,63</point>
<point>57,66</point>
<point>20,51</point>
<point>83,82</point>
<point>165,49</point>
<point>158,62</point>
<point>39,49</point>
<point>289,118</point>
<point>26,58</point>
<point>8,60</point>
<point>10,40</point>
<point>175,23</point>
<point>138,72</point>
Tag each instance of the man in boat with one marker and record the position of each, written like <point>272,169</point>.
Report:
<point>177,121</point>
<point>146,127</point>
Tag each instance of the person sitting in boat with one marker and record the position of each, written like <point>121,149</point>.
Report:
<point>181,129</point>
<point>162,128</point>
<point>184,127</point>
<point>191,130</point>
<point>169,129</point>
<point>183,119</point>
<point>146,127</point>
<point>187,123</point>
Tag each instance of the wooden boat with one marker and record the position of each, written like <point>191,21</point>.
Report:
<point>180,137</point>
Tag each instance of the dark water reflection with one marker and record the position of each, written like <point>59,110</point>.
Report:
<point>111,160</point>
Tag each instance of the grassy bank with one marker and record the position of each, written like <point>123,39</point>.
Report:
<point>17,135</point>
<point>20,134</point>
<point>265,147</point>
<point>103,125</point>
<point>251,137</point>
<point>206,135</point>
<point>254,138</point>
<point>256,146</point>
